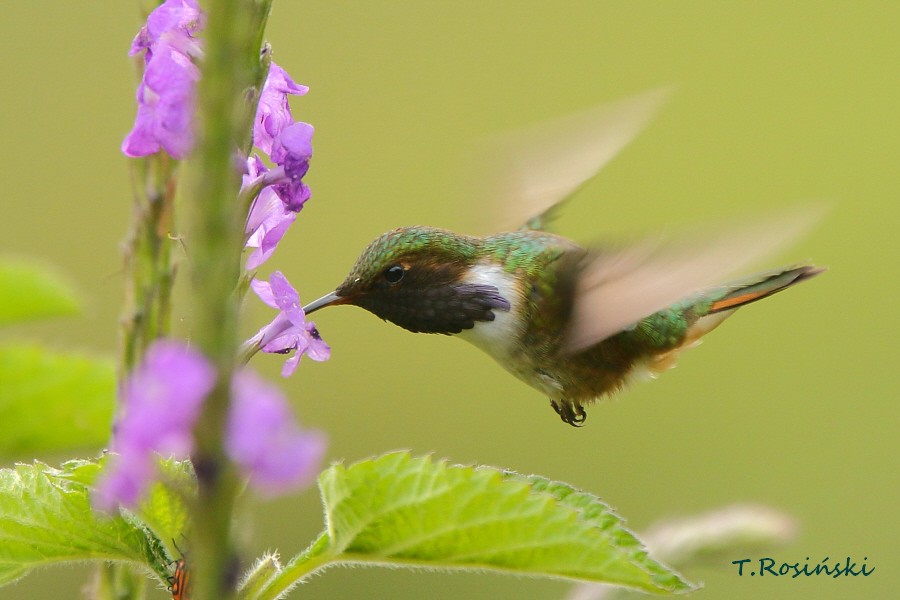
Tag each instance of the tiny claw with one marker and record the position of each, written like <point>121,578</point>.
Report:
<point>576,417</point>
<point>570,412</point>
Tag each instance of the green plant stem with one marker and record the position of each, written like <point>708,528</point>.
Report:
<point>230,73</point>
<point>115,581</point>
<point>149,273</point>
<point>148,264</point>
<point>315,557</point>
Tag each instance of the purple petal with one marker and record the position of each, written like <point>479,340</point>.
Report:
<point>263,289</point>
<point>166,93</point>
<point>317,349</point>
<point>265,208</point>
<point>286,297</point>
<point>274,113</point>
<point>290,365</point>
<point>273,236</point>
<point>278,336</point>
<point>278,82</point>
<point>264,440</point>
<point>269,221</point>
<point>292,150</point>
<point>283,337</point>
<point>183,16</point>
<point>165,106</point>
<point>124,483</point>
<point>293,194</point>
<point>255,168</point>
<point>289,330</point>
<point>161,400</point>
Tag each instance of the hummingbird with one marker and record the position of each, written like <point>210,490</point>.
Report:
<point>576,322</point>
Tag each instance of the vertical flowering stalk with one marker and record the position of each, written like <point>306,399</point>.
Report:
<point>203,101</point>
<point>165,48</point>
<point>231,67</point>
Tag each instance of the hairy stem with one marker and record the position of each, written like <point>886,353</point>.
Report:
<point>149,274</point>
<point>315,557</point>
<point>148,265</point>
<point>230,75</point>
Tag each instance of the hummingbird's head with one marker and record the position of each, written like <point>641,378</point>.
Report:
<point>418,278</point>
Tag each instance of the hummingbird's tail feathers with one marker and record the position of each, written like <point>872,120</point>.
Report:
<point>617,289</point>
<point>712,314</point>
<point>530,171</point>
<point>757,289</point>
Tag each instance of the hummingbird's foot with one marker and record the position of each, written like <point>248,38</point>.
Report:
<point>570,412</point>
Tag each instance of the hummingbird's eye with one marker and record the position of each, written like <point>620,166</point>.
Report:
<point>394,273</point>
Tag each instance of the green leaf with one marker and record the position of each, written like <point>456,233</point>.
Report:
<point>596,511</point>
<point>46,518</point>
<point>711,536</point>
<point>29,292</point>
<point>165,510</point>
<point>404,511</point>
<point>52,402</point>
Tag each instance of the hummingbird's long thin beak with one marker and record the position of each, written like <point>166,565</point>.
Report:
<point>322,302</point>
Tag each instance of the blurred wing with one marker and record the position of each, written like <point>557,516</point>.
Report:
<point>619,288</point>
<point>533,169</point>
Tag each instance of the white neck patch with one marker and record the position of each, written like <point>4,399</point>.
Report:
<point>498,337</point>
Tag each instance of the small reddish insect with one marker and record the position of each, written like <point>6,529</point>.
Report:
<point>180,581</point>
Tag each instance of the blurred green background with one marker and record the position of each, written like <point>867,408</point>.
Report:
<point>793,403</point>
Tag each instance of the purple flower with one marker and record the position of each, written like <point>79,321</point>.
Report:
<point>289,145</point>
<point>289,330</point>
<point>274,113</point>
<point>165,106</point>
<point>178,17</point>
<point>268,221</point>
<point>264,440</point>
<point>292,149</point>
<point>166,94</point>
<point>161,401</point>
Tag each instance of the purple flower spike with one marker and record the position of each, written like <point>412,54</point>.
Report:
<point>165,106</point>
<point>289,330</point>
<point>274,113</point>
<point>292,150</point>
<point>161,402</point>
<point>268,221</point>
<point>166,94</point>
<point>264,440</point>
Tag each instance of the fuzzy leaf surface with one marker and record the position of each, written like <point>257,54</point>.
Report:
<point>46,518</point>
<point>402,511</point>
